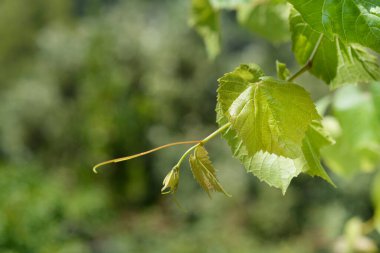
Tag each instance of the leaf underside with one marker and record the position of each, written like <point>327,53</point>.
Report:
<point>260,111</point>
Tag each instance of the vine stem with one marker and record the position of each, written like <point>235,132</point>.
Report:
<point>121,159</point>
<point>202,142</point>
<point>198,143</point>
<point>309,62</point>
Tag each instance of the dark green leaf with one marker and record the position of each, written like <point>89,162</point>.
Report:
<point>354,21</point>
<point>336,62</point>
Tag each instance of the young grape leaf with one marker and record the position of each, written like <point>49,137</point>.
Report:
<point>204,171</point>
<point>267,18</point>
<point>336,62</point>
<point>282,71</point>
<point>171,181</point>
<point>354,21</point>
<point>268,114</point>
<point>205,19</point>
<point>276,170</point>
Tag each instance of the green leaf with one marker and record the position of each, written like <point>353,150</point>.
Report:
<point>282,71</point>
<point>205,19</point>
<point>204,171</point>
<point>268,18</point>
<point>316,138</point>
<point>268,114</point>
<point>275,170</point>
<point>336,62</point>
<point>354,21</point>
<point>358,147</point>
<point>171,181</point>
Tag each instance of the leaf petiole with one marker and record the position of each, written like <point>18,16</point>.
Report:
<point>309,62</point>
<point>202,142</point>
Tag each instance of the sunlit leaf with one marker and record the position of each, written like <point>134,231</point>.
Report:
<point>267,114</point>
<point>274,169</point>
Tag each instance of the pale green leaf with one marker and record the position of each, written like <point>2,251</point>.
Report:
<point>205,19</point>
<point>282,71</point>
<point>268,18</point>
<point>275,170</point>
<point>316,138</point>
<point>268,114</point>
<point>358,146</point>
<point>336,62</point>
<point>204,171</point>
<point>354,21</point>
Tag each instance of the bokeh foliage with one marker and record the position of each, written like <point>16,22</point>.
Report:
<point>84,81</point>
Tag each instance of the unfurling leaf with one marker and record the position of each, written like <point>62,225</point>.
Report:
<point>171,181</point>
<point>204,171</point>
<point>282,71</point>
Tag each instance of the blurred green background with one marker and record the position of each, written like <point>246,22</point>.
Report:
<point>88,80</point>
